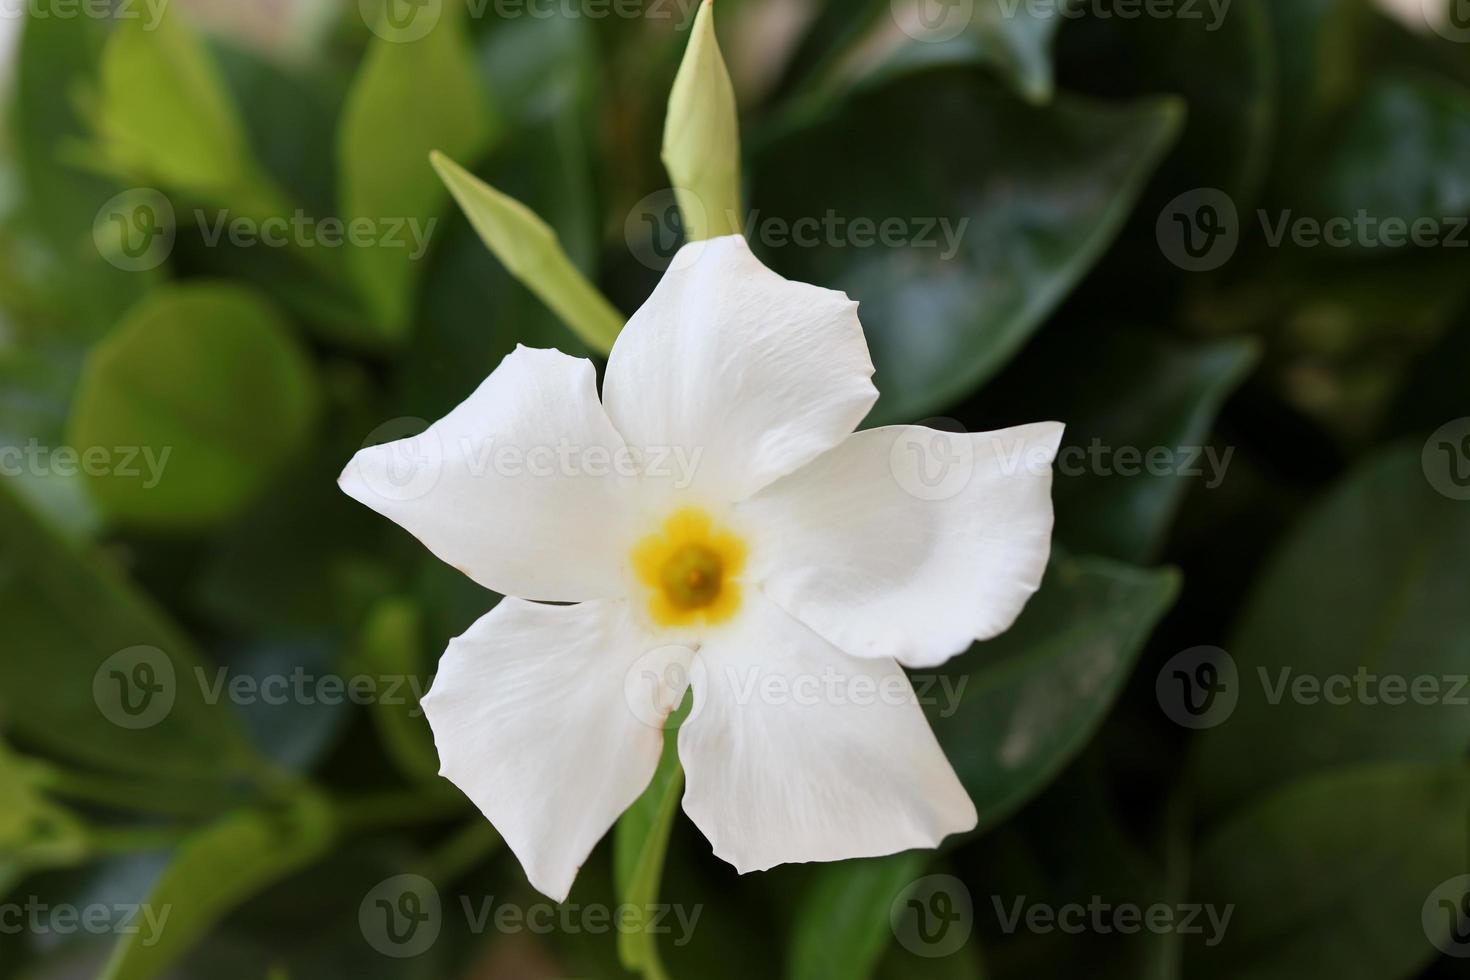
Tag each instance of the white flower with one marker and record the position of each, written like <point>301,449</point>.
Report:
<point>789,565</point>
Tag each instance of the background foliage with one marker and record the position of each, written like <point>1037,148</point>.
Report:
<point>1325,549</point>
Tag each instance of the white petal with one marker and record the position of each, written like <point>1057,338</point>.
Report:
<point>797,752</point>
<point>907,542</point>
<point>754,373</point>
<point>518,487</point>
<point>531,720</point>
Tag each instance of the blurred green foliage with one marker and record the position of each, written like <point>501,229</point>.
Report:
<point>1049,143</point>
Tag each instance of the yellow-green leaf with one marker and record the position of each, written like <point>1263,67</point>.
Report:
<point>531,251</point>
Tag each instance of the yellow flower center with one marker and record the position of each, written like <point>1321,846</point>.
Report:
<point>690,567</point>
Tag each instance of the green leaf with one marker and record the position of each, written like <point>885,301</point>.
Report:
<point>34,832</point>
<point>163,114</point>
<point>1132,391</point>
<point>1029,198</point>
<point>841,927</point>
<point>1329,876</point>
<point>640,844</point>
<point>1033,697</point>
<point>207,389</point>
<point>1369,587</point>
<point>66,618</point>
<point>217,870</point>
<point>409,99</point>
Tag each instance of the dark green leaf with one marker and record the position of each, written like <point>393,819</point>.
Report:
<point>1365,601</point>
<point>1001,208</point>
<point>1329,876</point>
<point>1134,393</point>
<point>842,924</point>
<point>1033,697</point>
<point>1010,714</point>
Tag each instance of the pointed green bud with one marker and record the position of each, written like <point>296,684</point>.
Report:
<point>529,248</point>
<point>702,136</point>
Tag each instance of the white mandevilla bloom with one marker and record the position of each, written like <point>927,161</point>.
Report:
<point>786,576</point>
